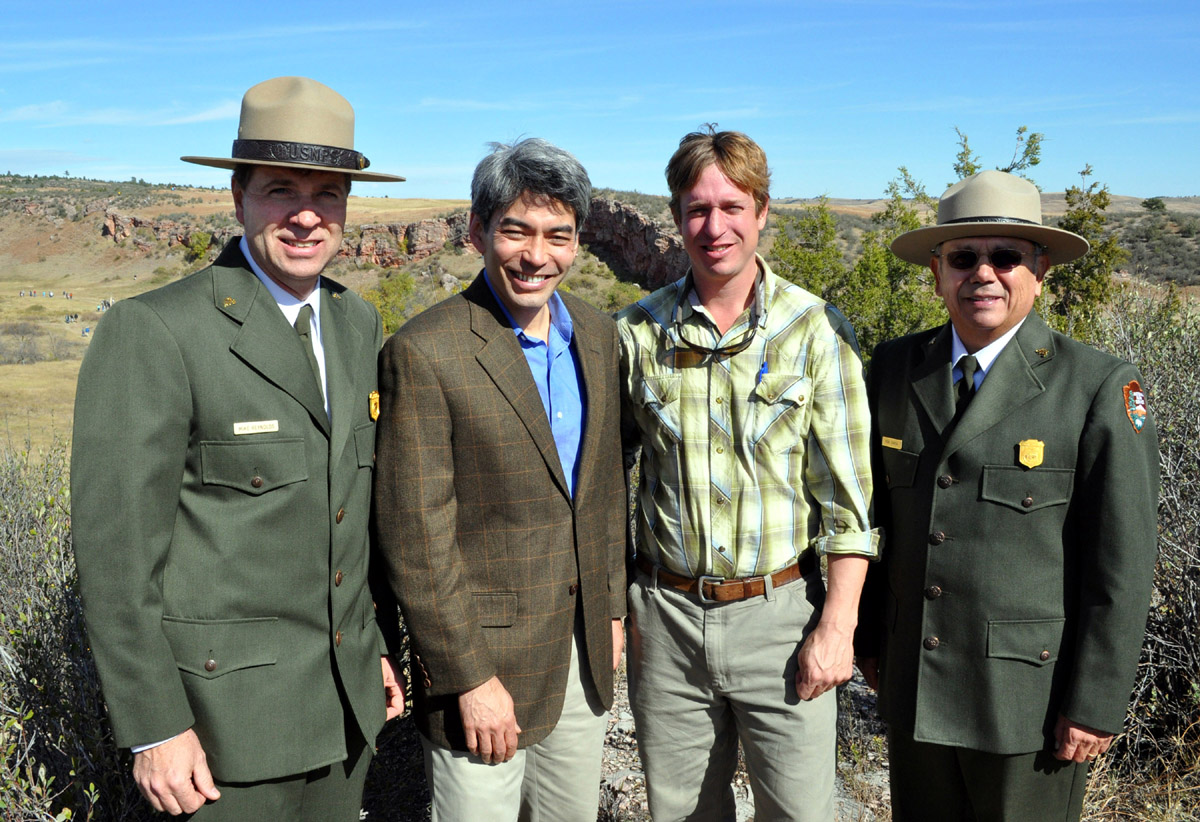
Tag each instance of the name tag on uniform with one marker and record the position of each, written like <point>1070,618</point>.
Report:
<point>258,427</point>
<point>892,442</point>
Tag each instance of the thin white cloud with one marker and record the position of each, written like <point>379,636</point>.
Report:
<point>228,110</point>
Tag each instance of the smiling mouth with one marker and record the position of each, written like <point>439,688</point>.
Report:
<point>301,243</point>
<point>533,279</point>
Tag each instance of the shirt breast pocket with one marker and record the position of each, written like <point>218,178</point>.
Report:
<point>660,402</point>
<point>781,412</point>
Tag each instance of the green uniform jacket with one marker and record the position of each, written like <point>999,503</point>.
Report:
<point>489,553</point>
<point>1009,594</point>
<point>223,566</point>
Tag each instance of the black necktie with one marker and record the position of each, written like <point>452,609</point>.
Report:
<point>304,329</point>
<point>966,386</point>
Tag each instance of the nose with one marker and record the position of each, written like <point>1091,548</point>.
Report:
<point>714,223</point>
<point>535,251</point>
<point>306,215</point>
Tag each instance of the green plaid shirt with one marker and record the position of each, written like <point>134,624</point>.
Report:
<point>746,459</point>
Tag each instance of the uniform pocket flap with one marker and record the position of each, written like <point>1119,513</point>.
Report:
<point>496,610</point>
<point>1024,490</point>
<point>790,389</point>
<point>1035,641</point>
<point>253,467</point>
<point>364,444</point>
<point>210,648</point>
<point>900,467</point>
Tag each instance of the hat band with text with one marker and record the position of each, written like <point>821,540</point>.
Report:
<point>278,151</point>
<point>989,220</point>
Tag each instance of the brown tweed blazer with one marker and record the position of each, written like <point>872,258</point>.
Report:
<point>486,551</point>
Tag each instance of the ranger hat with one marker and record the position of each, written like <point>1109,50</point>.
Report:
<point>990,204</point>
<point>295,122</point>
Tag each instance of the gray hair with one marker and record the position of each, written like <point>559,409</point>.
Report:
<point>531,166</point>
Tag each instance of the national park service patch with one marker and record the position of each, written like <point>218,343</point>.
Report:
<point>1135,405</point>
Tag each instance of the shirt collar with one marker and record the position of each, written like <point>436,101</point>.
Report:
<point>764,292</point>
<point>560,318</point>
<point>288,302</point>
<point>985,356</point>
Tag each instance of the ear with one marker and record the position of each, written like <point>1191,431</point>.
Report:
<point>238,193</point>
<point>762,215</point>
<point>475,231</point>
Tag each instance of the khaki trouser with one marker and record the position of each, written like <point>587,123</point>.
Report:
<point>703,677</point>
<point>556,780</point>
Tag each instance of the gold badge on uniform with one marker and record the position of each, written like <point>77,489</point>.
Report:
<point>229,301</point>
<point>892,442</point>
<point>1043,352</point>
<point>1031,452</point>
<point>337,296</point>
<point>373,405</point>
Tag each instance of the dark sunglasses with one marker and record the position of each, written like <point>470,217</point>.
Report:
<point>1001,259</point>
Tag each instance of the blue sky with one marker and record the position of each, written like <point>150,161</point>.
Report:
<point>838,93</point>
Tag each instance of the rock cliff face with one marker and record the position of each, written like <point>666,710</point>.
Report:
<point>619,234</point>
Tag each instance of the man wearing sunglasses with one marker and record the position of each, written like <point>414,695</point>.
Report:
<point>1016,479</point>
<point>745,395</point>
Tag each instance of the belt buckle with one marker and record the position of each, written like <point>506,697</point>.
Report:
<point>711,578</point>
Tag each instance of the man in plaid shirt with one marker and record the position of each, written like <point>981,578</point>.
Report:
<point>745,395</point>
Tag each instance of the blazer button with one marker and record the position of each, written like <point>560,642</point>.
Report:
<point>937,537</point>
<point>337,578</point>
<point>1027,502</point>
<point>1044,655</point>
<point>337,639</point>
<point>573,589</point>
<point>256,482</point>
<point>210,666</point>
<point>931,642</point>
<point>341,514</point>
<point>933,592</point>
<point>945,481</point>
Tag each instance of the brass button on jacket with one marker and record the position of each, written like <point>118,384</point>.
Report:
<point>931,642</point>
<point>573,589</point>
<point>341,514</point>
<point>210,666</point>
<point>337,639</point>
<point>257,482</point>
<point>945,481</point>
<point>933,592</point>
<point>937,537</point>
<point>1044,655</point>
<point>337,578</point>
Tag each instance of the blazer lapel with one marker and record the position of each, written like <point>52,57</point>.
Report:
<point>592,366</point>
<point>1010,383</point>
<point>501,357</point>
<point>265,342</point>
<point>932,380</point>
<point>341,341</point>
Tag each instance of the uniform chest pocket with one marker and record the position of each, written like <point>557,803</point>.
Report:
<point>364,444</point>
<point>253,467</point>
<point>781,411</point>
<point>900,467</point>
<point>660,400</point>
<point>1026,490</point>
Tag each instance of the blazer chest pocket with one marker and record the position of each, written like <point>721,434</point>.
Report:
<point>212,648</point>
<point>495,610</point>
<point>364,444</point>
<point>1035,641</point>
<point>253,467</point>
<point>900,467</point>
<point>1026,490</point>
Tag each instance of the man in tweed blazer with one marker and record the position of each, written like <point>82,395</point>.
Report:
<point>500,506</point>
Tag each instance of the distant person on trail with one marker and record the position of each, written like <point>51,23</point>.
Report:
<point>221,487</point>
<point>1016,477</point>
<point>745,396</point>
<point>500,507</point>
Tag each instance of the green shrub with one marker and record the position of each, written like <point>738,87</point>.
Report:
<point>58,757</point>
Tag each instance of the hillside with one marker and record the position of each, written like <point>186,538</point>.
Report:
<point>89,241</point>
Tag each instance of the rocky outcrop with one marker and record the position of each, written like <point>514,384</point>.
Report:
<point>635,246</point>
<point>638,248</point>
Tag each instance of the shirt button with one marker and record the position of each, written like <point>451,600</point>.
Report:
<point>720,400</point>
<point>210,666</point>
<point>720,500</point>
<point>720,450</point>
<point>559,415</point>
<point>341,514</point>
<point>945,481</point>
<point>933,592</point>
<point>337,639</point>
<point>931,642</point>
<point>721,548</point>
<point>256,482</point>
<point>337,578</point>
<point>937,537</point>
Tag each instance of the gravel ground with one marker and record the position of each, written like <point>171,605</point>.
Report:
<point>396,790</point>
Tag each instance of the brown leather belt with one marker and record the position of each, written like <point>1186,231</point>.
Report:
<point>716,589</point>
